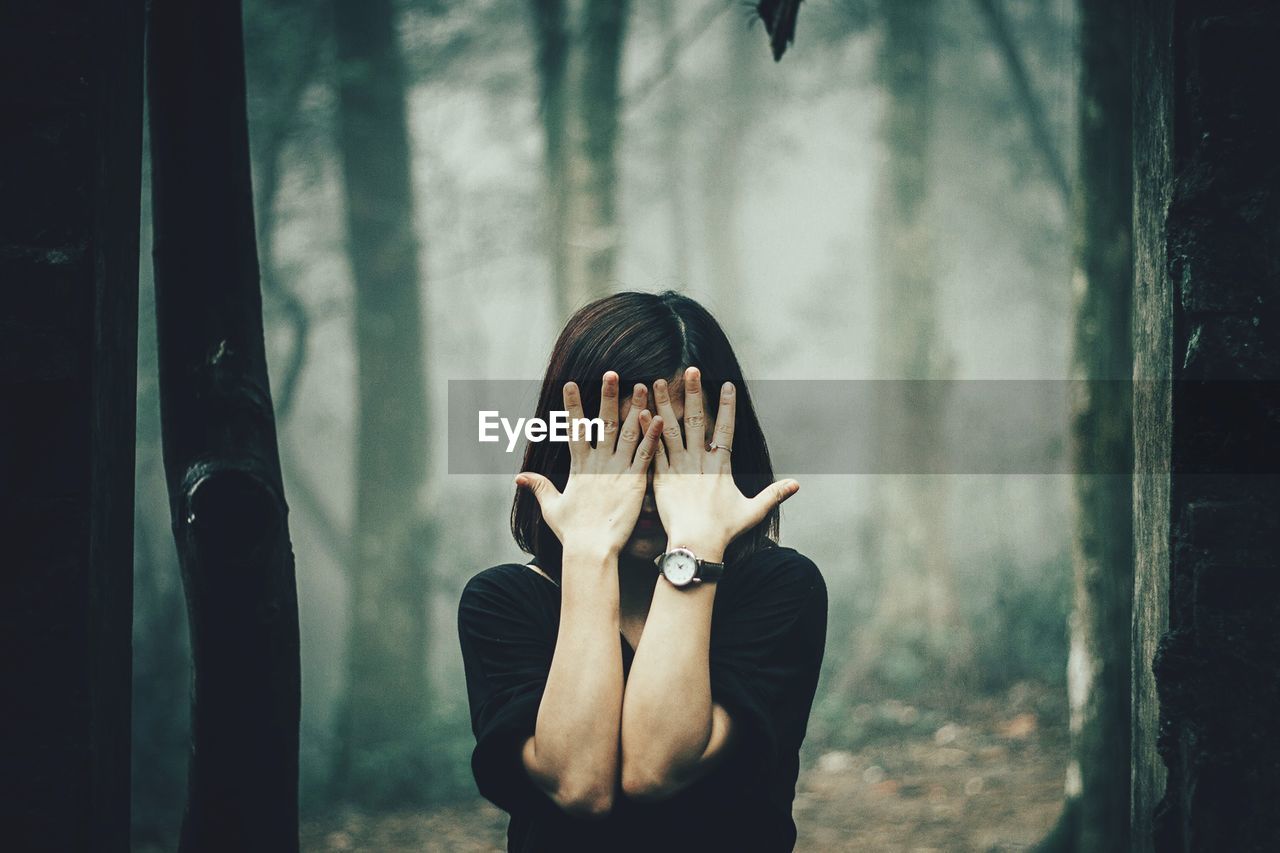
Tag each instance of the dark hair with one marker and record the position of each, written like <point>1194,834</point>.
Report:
<point>643,337</point>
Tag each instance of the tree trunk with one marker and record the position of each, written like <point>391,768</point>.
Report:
<point>1152,398</point>
<point>386,705</point>
<point>1101,440</point>
<point>72,96</point>
<point>724,174</point>
<point>281,64</point>
<point>221,460</point>
<point>1207,425</point>
<point>673,155</point>
<point>579,64</point>
<point>914,624</point>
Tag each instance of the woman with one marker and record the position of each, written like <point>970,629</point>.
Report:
<point>644,683</point>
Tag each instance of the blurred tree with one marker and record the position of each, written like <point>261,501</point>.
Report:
<point>72,95</point>
<point>382,754</point>
<point>579,57</point>
<point>914,630</point>
<point>723,171</point>
<point>227,504</point>
<point>1033,112</point>
<point>673,155</point>
<point>1096,814</point>
<point>283,46</point>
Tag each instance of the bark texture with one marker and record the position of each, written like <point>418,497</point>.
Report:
<point>1209,273</point>
<point>221,460</point>
<point>381,753</point>
<point>72,100</point>
<point>1152,398</point>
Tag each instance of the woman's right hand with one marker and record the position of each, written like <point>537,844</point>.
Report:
<point>601,501</point>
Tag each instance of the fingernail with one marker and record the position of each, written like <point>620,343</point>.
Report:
<point>727,389</point>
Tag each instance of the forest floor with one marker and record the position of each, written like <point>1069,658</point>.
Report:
<point>988,778</point>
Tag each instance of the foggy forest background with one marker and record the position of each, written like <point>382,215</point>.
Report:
<point>767,192</point>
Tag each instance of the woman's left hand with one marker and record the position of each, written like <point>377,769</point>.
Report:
<point>698,502</point>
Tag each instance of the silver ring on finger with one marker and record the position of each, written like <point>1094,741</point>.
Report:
<point>714,447</point>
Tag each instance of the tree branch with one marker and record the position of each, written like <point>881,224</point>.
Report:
<point>1031,109</point>
<point>674,49</point>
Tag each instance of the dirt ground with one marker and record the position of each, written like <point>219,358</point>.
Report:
<point>988,778</point>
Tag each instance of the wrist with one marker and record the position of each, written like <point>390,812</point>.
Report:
<point>704,547</point>
<point>590,552</point>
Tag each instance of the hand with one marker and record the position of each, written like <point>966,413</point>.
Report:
<point>700,505</point>
<point>601,500</point>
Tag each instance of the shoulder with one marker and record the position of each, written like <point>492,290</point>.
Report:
<point>777,574</point>
<point>777,566</point>
<point>502,586</point>
<point>501,576</point>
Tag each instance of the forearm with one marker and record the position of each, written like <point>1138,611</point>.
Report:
<point>669,723</point>
<point>573,754</point>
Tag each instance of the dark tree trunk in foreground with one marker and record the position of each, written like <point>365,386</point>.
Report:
<point>579,62</point>
<point>221,461</point>
<point>386,703</point>
<point>914,622</point>
<point>72,100</point>
<point>1096,814</point>
<point>1207,426</point>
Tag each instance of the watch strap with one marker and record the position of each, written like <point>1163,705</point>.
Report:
<point>709,571</point>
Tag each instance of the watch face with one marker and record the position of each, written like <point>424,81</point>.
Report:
<point>679,566</point>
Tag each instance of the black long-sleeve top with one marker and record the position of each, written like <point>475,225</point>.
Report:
<point>768,628</point>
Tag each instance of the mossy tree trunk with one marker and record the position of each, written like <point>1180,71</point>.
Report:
<point>1207,426</point>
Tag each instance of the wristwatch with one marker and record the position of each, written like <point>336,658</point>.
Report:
<point>682,568</point>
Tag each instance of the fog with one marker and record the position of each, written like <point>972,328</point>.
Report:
<point>730,167</point>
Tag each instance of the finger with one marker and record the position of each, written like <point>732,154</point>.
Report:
<point>632,428</point>
<point>695,419</point>
<point>672,439</point>
<point>543,489</point>
<point>649,444</point>
<point>578,448</point>
<point>770,496</point>
<point>659,455</point>
<point>723,436</point>
<point>609,410</point>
